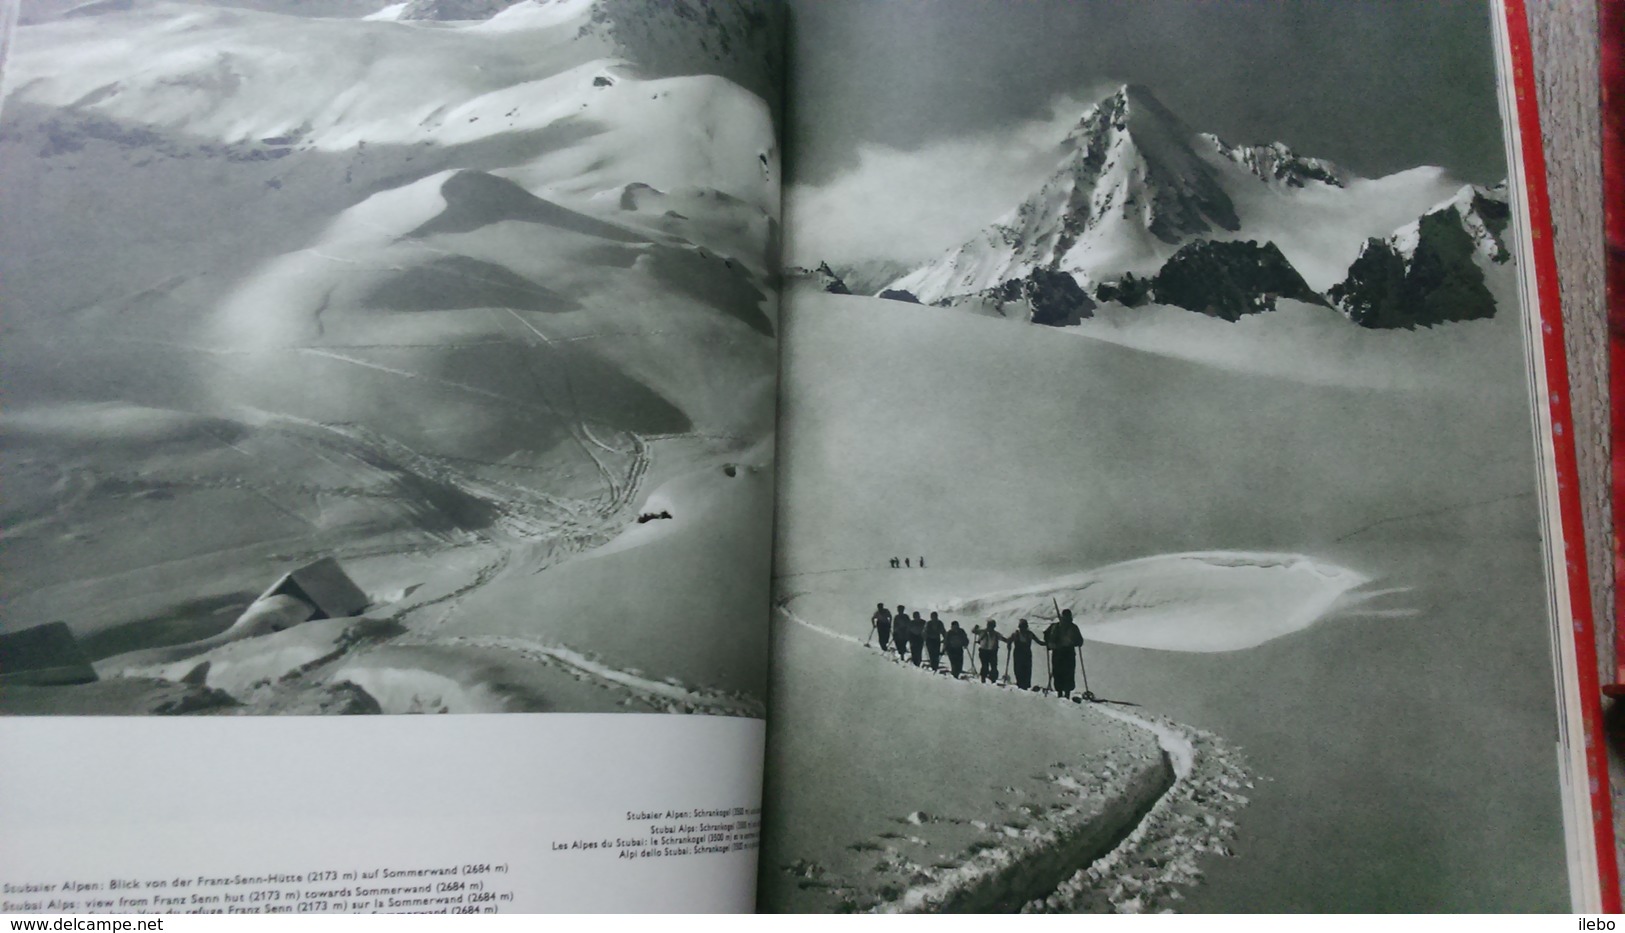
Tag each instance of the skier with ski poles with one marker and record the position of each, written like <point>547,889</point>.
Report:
<point>987,647</point>
<point>956,641</point>
<point>880,623</point>
<point>916,638</point>
<point>935,631</point>
<point>1021,653</point>
<point>899,633</point>
<point>1064,641</point>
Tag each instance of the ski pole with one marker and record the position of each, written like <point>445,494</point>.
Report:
<point>1084,668</point>
<point>1081,665</point>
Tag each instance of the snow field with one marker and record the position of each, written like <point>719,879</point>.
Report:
<point>1012,456</point>
<point>1214,601</point>
<point>388,307</point>
<point>1038,832</point>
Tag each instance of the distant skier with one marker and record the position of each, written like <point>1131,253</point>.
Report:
<point>1021,653</point>
<point>916,638</point>
<point>956,641</point>
<point>895,563</point>
<point>905,562</point>
<point>881,622</point>
<point>922,561</point>
<point>987,648</point>
<point>934,632</point>
<point>1064,641</point>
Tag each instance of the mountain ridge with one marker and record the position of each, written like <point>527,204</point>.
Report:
<point>1141,207</point>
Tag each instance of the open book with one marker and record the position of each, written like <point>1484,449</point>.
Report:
<point>1123,463</point>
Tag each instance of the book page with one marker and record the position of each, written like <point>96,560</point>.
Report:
<point>1164,524</point>
<point>386,358</point>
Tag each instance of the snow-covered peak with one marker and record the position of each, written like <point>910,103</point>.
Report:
<point>1129,188</point>
<point>1277,163</point>
<point>1130,102</point>
<point>1134,122</point>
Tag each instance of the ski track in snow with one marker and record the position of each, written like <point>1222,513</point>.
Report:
<point>1145,870</point>
<point>669,695</point>
<point>570,526</point>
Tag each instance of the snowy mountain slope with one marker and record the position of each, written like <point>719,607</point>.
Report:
<point>1321,228</point>
<point>704,216</point>
<point>1274,163</point>
<point>740,40</point>
<point>1129,181</point>
<point>438,299</point>
<point>231,75</point>
<point>684,132</point>
<point>1137,183</point>
<point>293,85</point>
<point>461,312</point>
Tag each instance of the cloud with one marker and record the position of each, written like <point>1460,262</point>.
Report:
<point>911,205</point>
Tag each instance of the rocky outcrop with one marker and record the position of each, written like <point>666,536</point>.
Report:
<point>1429,272</point>
<point>1277,163</point>
<point>1053,298</point>
<point>1220,278</point>
<point>1229,279</point>
<point>828,281</point>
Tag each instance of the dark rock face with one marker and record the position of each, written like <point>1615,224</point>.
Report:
<point>1129,291</point>
<point>1229,279</point>
<point>829,281</point>
<point>1055,297</point>
<point>899,294</point>
<point>44,655</point>
<point>1496,214</point>
<point>1441,283</point>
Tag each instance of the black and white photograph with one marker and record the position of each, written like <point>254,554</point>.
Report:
<point>1058,456</point>
<point>368,357</point>
<point>1160,520</point>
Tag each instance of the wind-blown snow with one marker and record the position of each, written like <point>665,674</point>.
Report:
<point>1206,601</point>
<point>1314,345</point>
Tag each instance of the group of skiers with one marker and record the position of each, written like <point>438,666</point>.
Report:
<point>911,636</point>
<point>906,562</point>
